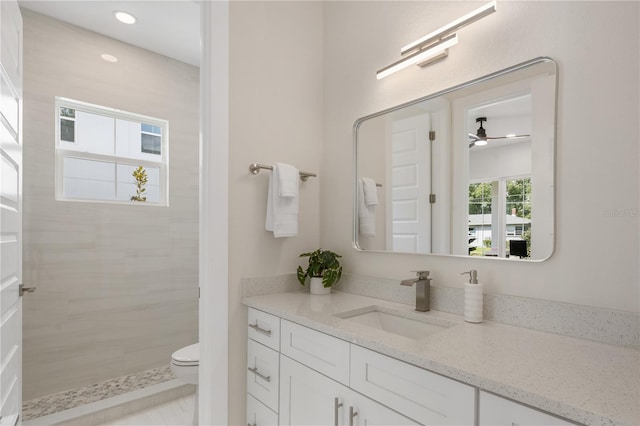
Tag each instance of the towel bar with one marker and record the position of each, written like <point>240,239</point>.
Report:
<point>255,169</point>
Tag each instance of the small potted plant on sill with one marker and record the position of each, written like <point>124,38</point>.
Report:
<point>324,270</point>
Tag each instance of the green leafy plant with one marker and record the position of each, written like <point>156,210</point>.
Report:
<point>140,175</point>
<point>322,264</point>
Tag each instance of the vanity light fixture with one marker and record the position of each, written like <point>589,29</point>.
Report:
<point>124,17</point>
<point>433,46</point>
<point>423,57</point>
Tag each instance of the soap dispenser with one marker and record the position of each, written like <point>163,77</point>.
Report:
<point>472,298</point>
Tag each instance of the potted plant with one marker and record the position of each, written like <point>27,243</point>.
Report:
<point>324,270</point>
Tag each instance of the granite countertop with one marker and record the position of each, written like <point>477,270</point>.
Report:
<point>586,382</point>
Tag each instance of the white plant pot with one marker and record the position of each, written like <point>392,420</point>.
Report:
<point>316,287</point>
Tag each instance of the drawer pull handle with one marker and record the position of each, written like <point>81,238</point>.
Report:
<point>336,405</point>
<point>255,371</point>
<point>352,414</point>
<point>251,424</point>
<point>260,330</point>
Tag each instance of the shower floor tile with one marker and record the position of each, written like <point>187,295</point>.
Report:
<point>61,401</point>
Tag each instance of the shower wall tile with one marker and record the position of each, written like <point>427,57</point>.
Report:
<point>117,284</point>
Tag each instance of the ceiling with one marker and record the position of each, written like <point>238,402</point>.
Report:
<point>170,28</point>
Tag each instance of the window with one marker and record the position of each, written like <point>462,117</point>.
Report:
<point>151,139</point>
<point>67,124</point>
<point>513,196</point>
<point>98,148</point>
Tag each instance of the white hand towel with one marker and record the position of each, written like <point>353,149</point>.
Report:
<point>289,177</point>
<point>370,192</point>
<point>282,212</point>
<point>366,214</point>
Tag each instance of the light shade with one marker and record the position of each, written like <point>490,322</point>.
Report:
<point>124,17</point>
<point>424,56</point>
<point>109,58</point>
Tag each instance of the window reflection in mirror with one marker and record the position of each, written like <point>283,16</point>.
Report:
<point>468,171</point>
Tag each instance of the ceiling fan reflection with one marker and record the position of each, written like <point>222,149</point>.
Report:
<point>481,138</point>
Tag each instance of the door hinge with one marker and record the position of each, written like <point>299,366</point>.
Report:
<point>432,198</point>
<point>432,135</point>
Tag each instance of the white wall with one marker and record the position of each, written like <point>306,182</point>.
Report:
<point>117,284</point>
<point>275,116</point>
<point>596,47</point>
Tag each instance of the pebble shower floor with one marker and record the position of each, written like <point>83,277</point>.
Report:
<point>60,401</point>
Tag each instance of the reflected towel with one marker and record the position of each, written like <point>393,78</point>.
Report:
<point>370,191</point>
<point>366,214</point>
<point>282,211</point>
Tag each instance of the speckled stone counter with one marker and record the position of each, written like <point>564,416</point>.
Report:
<point>586,382</point>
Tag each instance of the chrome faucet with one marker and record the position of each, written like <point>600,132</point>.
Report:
<point>423,290</point>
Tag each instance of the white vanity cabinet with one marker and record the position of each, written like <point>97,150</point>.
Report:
<point>263,369</point>
<point>300,376</point>
<point>497,411</point>
<point>310,398</point>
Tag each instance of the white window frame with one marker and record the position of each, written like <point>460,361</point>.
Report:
<point>65,149</point>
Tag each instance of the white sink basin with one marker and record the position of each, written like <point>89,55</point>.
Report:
<point>408,324</point>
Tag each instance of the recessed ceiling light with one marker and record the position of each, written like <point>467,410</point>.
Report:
<point>109,58</point>
<point>124,17</point>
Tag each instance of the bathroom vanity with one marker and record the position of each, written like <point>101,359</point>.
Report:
<point>346,359</point>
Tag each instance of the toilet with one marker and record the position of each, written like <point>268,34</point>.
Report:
<point>184,365</point>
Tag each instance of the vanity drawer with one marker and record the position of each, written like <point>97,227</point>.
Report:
<point>497,411</point>
<point>264,328</point>
<point>263,375</point>
<point>259,414</point>
<point>325,354</point>
<point>426,397</point>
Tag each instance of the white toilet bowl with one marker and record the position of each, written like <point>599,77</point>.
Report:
<point>185,364</point>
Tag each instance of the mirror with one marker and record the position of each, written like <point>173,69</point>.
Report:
<point>466,171</point>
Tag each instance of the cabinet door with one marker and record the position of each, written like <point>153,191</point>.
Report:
<point>309,398</point>
<point>496,411</point>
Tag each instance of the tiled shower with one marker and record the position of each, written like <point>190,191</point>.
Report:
<point>117,283</point>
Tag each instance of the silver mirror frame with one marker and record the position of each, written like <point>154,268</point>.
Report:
<point>505,71</point>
